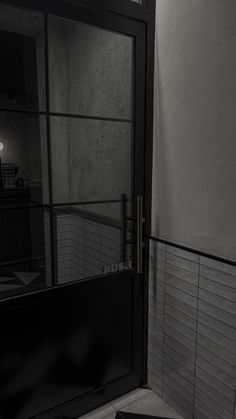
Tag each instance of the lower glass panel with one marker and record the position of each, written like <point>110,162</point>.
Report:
<point>76,344</point>
<point>25,257</point>
<point>91,244</point>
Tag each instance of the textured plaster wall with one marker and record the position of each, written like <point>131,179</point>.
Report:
<point>90,75</point>
<point>194,187</point>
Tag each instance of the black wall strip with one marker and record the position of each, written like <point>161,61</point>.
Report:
<point>189,249</point>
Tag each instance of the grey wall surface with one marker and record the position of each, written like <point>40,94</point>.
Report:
<point>194,199</point>
<point>192,334</point>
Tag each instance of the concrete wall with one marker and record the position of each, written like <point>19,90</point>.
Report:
<point>194,199</point>
<point>90,75</point>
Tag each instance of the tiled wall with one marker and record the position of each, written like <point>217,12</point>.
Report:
<point>85,247</point>
<point>192,332</point>
<point>64,248</point>
<point>47,240</point>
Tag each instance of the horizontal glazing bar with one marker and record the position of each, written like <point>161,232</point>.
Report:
<point>65,115</point>
<point>19,261</point>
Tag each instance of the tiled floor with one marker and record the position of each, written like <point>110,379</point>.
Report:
<point>138,401</point>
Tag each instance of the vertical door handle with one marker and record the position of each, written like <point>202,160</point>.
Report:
<point>140,244</point>
<point>123,227</point>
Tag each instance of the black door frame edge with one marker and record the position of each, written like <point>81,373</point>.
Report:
<point>92,400</point>
<point>150,63</point>
<point>126,8</point>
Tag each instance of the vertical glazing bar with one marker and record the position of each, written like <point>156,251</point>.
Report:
<point>139,234</point>
<point>1,182</point>
<point>52,219</point>
<point>55,245</point>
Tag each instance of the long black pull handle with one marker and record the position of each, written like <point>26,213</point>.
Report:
<point>123,227</point>
<point>140,244</point>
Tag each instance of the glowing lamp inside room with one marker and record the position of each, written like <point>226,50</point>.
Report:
<point>1,146</point>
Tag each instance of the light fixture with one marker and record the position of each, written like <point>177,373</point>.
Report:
<point>1,146</point>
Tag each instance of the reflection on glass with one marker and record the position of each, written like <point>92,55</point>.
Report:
<point>90,73</point>
<point>25,262</point>
<point>23,159</point>
<point>22,59</point>
<point>90,70</point>
<point>91,244</point>
<point>91,160</point>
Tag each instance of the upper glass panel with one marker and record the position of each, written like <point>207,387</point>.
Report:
<point>22,70</point>
<point>138,1</point>
<point>90,70</point>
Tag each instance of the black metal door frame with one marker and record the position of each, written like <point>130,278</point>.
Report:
<point>138,22</point>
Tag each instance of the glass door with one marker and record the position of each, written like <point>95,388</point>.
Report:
<point>72,129</point>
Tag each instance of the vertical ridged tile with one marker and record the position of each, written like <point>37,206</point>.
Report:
<point>235,404</point>
<point>156,316</point>
<point>180,327</point>
<point>216,343</point>
<point>64,248</point>
<point>196,296</point>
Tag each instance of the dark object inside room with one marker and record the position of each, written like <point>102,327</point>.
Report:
<point>18,71</point>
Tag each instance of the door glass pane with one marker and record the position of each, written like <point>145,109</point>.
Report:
<point>22,59</point>
<point>90,70</point>
<point>90,243</point>
<point>91,150</point>
<point>91,160</point>
<point>23,159</point>
<point>25,261</point>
